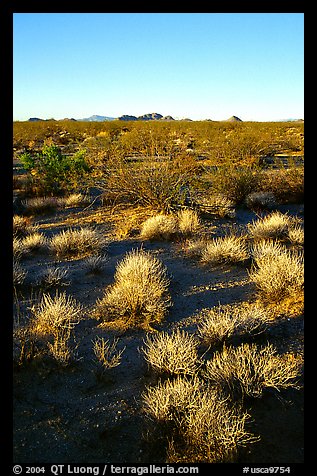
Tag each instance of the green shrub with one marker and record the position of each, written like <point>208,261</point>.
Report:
<point>52,171</point>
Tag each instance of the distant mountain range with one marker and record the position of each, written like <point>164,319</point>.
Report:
<point>153,116</point>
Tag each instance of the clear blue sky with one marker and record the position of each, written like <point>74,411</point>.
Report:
<point>196,65</point>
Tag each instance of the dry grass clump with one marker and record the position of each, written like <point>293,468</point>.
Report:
<point>167,226</point>
<point>34,242</point>
<point>174,354</point>
<point>266,249</point>
<point>94,264</point>
<point>54,276</point>
<point>77,242</point>
<point>139,295</point>
<point>248,369</point>
<point>224,321</point>
<point>56,317</point>
<point>22,226</point>
<point>188,222</point>
<point>296,235</point>
<point>217,205</point>
<point>39,205</point>
<point>201,427</point>
<point>194,248</point>
<point>30,243</point>
<point>19,273</point>
<point>159,227</point>
<point>75,200</point>
<point>278,274</point>
<point>276,225</point>
<point>229,249</point>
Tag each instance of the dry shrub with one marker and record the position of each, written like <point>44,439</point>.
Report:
<point>22,226</point>
<point>168,226</point>
<point>56,315</point>
<point>224,321</point>
<point>75,200</point>
<point>296,235</point>
<point>33,242</point>
<point>216,205</point>
<point>39,205</point>
<point>55,318</point>
<point>77,242</point>
<point>174,354</point>
<point>276,225</point>
<point>188,222</point>
<point>287,185</point>
<point>60,348</point>
<point>54,276</point>
<point>139,295</point>
<point>201,427</point>
<point>159,183</point>
<point>278,274</point>
<point>107,355</point>
<point>19,273</point>
<point>229,249</point>
<point>248,369</point>
<point>94,264</point>
<point>167,401</point>
<point>159,227</point>
<point>236,183</point>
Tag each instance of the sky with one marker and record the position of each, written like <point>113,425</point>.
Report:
<point>195,65</point>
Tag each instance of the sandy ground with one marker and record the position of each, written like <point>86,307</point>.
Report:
<point>69,415</point>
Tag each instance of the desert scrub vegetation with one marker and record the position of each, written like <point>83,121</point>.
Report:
<point>275,225</point>
<point>230,249</point>
<point>53,276</point>
<point>161,184</point>
<point>107,355</point>
<point>40,205</point>
<point>53,172</point>
<point>77,242</point>
<point>139,295</point>
<point>222,322</point>
<point>248,369</point>
<point>197,424</point>
<point>216,205</point>
<point>95,264</point>
<point>260,201</point>
<point>287,185</point>
<point>172,354</point>
<point>55,314</point>
<point>19,273</point>
<point>235,183</point>
<point>33,242</point>
<point>54,320</point>
<point>165,227</point>
<point>22,226</point>
<point>277,273</point>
